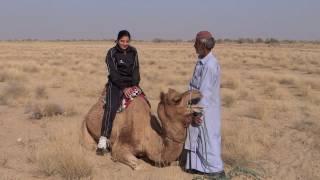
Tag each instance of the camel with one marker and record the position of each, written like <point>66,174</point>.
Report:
<point>136,133</point>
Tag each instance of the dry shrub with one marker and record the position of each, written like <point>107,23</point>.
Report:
<point>242,145</point>
<point>256,111</point>
<point>47,161</point>
<point>183,73</point>
<point>56,85</point>
<point>12,91</point>
<point>65,159</point>
<point>314,84</point>
<point>15,90</point>
<point>3,99</point>
<point>229,83</point>
<point>11,76</point>
<point>4,76</point>
<point>30,69</point>
<point>34,111</point>
<point>4,160</point>
<point>160,67</point>
<point>228,99</point>
<point>290,81</point>
<point>52,109</point>
<point>40,92</point>
<point>72,166</point>
<point>151,62</point>
<point>48,109</point>
<point>279,108</point>
<point>243,94</point>
<point>70,111</point>
<point>38,111</point>
<point>304,91</point>
<point>272,91</point>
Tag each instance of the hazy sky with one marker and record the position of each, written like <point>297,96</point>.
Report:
<point>169,19</point>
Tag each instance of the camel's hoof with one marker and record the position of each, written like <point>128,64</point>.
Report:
<point>114,159</point>
<point>138,167</point>
<point>101,151</point>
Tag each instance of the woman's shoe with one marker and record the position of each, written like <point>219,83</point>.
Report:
<point>103,146</point>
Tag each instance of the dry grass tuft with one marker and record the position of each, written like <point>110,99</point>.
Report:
<point>4,76</point>
<point>10,76</point>
<point>52,109</point>
<point>38,111</point>
<point>68,161</point>
<point>314,84</point>
<point>290,81</point>
<point>273,91</point>
<point>3,99</point>
<point>34,111</point>
<point>242,94</point>
<point>40,92</point>
<point>229,83</point>
<point>15,90</point>
<point>30,69</point>
<point>242,144</point>
<point>304,91</point>
<point>11,92</point>
<point>256,111</point>
<point>70,111</point>
<point>228,99</point>
<point>47,161</point>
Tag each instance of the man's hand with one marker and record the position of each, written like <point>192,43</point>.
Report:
<point>197,120</point>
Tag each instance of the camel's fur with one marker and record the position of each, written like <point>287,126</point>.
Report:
<point>137,133</point>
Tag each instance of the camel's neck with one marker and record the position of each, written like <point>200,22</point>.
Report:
<point>173,144</point>
<point>173,136</point>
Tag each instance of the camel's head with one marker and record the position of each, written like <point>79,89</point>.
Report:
<point>177,108</point>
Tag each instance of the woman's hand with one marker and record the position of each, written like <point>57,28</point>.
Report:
<point>127,92</point>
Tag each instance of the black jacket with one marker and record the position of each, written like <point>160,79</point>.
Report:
<point>123,66</point>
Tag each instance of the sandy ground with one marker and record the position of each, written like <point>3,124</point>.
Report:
<point>270,112</point>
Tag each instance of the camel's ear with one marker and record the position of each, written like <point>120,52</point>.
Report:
<point>174,96</point>
<point>171,91</point>
<point>162,97</point>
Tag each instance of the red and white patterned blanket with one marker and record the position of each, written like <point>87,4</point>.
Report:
<point>134,92</point>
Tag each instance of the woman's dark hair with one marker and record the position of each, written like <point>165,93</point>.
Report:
<point>123,33</point>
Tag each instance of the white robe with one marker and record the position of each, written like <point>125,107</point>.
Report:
<point>203,143</point>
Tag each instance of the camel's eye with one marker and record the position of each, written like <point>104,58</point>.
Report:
<point>194,101</point>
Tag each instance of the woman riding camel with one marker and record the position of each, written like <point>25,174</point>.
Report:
<point>124,77</point>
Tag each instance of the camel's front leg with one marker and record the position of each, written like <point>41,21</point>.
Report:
<point>122,154</point>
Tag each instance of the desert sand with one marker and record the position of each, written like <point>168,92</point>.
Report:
<point>270,110</point>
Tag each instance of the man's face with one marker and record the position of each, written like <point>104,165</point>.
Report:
<point>200,49</point>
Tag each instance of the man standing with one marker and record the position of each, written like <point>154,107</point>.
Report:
<point>203,142</point>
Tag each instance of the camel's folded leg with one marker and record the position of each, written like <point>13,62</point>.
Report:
<point>86,139</point>
<point>174,163</point>
<point>123,154</point>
